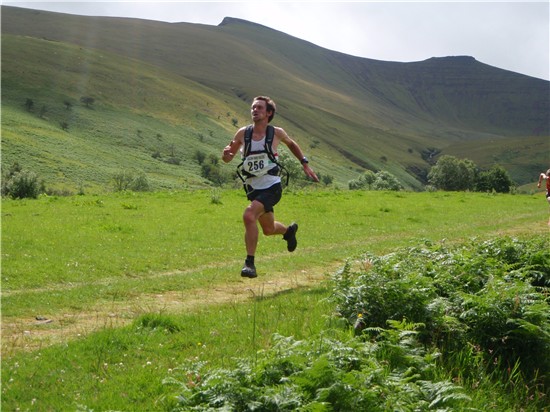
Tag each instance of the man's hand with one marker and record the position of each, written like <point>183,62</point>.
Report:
<point>227,155</point>
<point>310,173</point>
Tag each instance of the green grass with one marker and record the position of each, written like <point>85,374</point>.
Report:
<point>115,241</point>
<point>72,259</point>
<point>123,369</point>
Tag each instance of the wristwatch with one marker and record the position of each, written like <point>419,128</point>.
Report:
<point>304,160</point>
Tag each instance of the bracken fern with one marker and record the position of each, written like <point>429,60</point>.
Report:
<point>490,295</point>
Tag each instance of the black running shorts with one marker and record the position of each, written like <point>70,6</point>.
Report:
<point>268,197</point>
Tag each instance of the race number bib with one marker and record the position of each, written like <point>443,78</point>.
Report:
<point>257,165</point>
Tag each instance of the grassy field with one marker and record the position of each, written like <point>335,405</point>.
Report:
<point>88,280</point>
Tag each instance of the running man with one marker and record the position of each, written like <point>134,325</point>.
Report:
<point>262,181</point>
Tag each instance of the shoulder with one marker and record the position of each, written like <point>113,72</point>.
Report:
<point>239,136</point>
<point>280,134</point>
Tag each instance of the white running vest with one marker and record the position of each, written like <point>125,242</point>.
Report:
<point>266,180</point>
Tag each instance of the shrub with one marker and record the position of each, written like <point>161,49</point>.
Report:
<point>488,295</point>
<point>386,181</point>
<point>473,304</point>
<point>381,180</point>
<point>200,156</point>
<point>157,321</point>
<point>364,181</point>
<point>211,170</point>
<point>291,166</point>
<point>216,197</point>
<point>326,179</point>
<point>323,374</point>
<point>140,183</point>
<point>19,184</point>
<point>125,180</point>
<point>174,161</point>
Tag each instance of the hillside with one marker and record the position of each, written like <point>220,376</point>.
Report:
<point>175,88</point>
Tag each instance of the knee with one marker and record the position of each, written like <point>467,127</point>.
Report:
<point>248,216</point>
<point>268,230</point>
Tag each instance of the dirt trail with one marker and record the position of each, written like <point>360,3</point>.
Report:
<point>27,334</point>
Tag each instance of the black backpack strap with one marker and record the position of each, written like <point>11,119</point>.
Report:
<point>269,136</point>
<point>248,140</point>
<point>246,150</point>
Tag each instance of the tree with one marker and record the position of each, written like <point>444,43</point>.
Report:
<point>364,181</point>
<point>496,178</point>
<point>43,111</point>
<point>29,104</point>
<point>381,180</point>
<point>453,174</point>
<point>326,179</point>
<point>87,100</point>
<point>386,181</point>
<point>291,165</point>
<point>200,156</point>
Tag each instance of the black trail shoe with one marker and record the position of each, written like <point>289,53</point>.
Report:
<point>248,271</point>
<point>290,237</point>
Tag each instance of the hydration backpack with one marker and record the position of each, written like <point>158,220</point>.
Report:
<point>250,166</point>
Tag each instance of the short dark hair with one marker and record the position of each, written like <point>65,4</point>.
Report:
<point>270,106</point>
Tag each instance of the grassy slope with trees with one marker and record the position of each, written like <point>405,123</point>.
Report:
<point>165,88</point>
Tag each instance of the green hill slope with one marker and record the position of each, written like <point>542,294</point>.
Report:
<point>172,89</point>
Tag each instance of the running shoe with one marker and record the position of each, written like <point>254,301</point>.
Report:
<point>290,237</point>
<point>248,271</point>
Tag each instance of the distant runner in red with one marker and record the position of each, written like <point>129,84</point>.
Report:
<point>546,176</point>
<point>260,171</point>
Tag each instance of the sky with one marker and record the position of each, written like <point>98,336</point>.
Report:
<point>511,35</point>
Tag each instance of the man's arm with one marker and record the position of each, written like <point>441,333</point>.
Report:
<point>296,151</point>
<point>233,147</point>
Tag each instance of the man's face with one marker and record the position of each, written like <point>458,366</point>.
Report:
<point>258,111</point>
